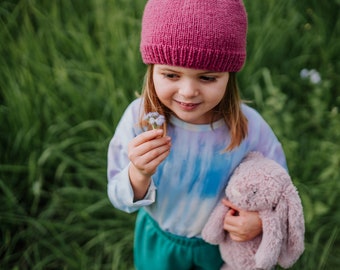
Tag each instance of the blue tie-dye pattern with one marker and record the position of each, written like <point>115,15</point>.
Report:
<point>192,179</point>
<point>196,170</point>
<point>196,163</point>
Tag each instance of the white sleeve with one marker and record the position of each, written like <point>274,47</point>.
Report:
<point>263,138</point>
<point>119,188</point>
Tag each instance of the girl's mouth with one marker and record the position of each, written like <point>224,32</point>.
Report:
<point>187,106</point>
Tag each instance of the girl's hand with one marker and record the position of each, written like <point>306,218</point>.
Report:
<point>146,152</point>
<point>241,225</point>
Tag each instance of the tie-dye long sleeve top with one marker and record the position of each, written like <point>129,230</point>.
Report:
<point>189,183</point>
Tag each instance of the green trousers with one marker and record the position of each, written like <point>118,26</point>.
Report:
<point>155,249</point>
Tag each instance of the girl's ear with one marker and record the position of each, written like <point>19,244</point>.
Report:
<point>293,247</point>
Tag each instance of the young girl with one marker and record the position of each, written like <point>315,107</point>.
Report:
<point>177,174</point>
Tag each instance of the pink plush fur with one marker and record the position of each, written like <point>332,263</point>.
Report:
<point>260,184</point>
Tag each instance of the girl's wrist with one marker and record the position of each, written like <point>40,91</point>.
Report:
<point>139,182</point>
<point>137,175</point>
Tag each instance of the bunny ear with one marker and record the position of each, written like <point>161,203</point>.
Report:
<point>293,247</point>
<point>213,231</point>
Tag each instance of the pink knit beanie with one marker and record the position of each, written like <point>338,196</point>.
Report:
<point>200,34</point>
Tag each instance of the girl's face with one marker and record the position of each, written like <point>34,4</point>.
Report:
<point>190,94</point>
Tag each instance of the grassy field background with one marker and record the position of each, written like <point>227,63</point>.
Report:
<point>68,69</point>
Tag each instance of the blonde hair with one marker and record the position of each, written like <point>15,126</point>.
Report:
<point>229,108</point>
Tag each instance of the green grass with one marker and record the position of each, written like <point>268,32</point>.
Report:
<point>68,69</point>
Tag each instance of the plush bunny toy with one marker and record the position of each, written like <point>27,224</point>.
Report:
<point>260,184</point>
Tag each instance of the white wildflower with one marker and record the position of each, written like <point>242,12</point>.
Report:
<point>313,75</point>
<point>155,119</point>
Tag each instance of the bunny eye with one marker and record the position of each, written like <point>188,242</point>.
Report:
<point>274,207</point>
<point>254,192</point>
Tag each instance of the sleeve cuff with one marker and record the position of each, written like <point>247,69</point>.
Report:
<point>121,194</point>
<point>149,198</point>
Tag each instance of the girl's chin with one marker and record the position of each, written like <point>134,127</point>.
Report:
<point>191,118</point>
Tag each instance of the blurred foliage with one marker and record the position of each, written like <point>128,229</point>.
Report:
<point>68,69</point>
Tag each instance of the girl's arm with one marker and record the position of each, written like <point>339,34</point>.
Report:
<point>133,155</point>
<point>145,153</point>
<point>243,225</point>
<point>262,138</point>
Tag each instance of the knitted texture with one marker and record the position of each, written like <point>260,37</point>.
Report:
<point>199,34</point>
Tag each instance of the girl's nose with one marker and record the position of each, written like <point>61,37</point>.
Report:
<point>188,89</point>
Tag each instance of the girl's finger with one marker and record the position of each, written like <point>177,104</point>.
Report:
<point>153,164</point>
<point>230,205</point>
<point>231,212</point>
<point>150,149</point>
<point>152,156</point>
<point>147,136</point>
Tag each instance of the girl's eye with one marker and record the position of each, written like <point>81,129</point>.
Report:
<point>208,78</point>
<point>170,75</point>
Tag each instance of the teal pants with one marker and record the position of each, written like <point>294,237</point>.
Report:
<point>155,249</point>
